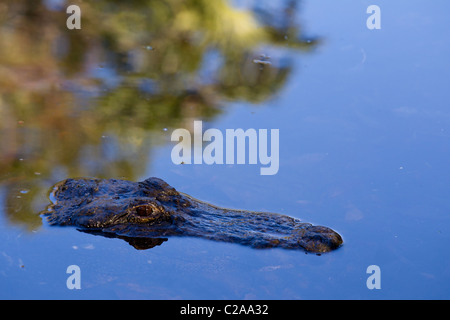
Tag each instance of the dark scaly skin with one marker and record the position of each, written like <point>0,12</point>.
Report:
<point>146,213</point>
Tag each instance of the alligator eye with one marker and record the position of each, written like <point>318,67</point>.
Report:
<point>144,211</point>
<point>148,212</point>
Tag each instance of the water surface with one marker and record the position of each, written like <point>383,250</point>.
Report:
<point>364,142</point>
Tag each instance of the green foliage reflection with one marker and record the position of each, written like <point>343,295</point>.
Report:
<point>87,102</point>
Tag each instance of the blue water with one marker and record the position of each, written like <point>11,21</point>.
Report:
<point>364,125</point>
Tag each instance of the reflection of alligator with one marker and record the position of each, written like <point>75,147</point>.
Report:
<point>146,213</point>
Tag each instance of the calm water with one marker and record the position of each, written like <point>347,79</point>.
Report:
<point>364,124</point>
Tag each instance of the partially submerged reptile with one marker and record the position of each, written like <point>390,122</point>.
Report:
<point>146,213</point>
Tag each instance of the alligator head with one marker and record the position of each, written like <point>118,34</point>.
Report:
<point>146,213</point>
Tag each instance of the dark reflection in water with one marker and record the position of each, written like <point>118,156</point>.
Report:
<point>94,101</point>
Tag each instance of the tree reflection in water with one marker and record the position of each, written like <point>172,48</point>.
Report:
<point>91,102</point>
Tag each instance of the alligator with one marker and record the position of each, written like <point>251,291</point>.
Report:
<point>147,213</point>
